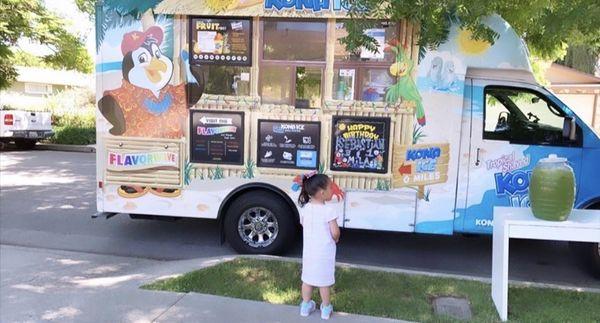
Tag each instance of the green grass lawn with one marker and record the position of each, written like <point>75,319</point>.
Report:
<point>392,295</point>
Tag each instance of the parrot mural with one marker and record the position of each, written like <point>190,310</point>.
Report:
<point>405,86</point>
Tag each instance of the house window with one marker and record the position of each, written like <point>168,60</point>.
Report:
<point>38,88</point>
<point>292,63</point>
<point>364,75</point>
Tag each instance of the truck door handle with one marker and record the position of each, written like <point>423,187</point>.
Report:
<point>477,161</point>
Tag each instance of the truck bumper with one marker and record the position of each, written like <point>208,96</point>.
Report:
<point>29,134</point>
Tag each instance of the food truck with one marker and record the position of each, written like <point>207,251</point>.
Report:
<point>215,109</point>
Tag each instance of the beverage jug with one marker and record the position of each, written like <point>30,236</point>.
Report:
<point>552,189</point>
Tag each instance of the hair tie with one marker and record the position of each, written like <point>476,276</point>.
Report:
<point>309,174</point>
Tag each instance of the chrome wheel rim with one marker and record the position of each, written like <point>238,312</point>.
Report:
<point>258,227</point>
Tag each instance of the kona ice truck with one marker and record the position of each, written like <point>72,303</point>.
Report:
<point>214,109</point>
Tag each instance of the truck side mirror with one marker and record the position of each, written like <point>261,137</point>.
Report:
<point>570,128</point>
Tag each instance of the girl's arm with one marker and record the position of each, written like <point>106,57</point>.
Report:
<point>335,230</point>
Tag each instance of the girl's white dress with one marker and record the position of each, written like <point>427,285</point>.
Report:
<point>318,252</point>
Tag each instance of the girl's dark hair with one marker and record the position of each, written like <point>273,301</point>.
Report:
<point>311,185</point>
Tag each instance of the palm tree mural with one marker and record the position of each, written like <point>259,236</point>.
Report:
<point>116,13</point>
<point>135,8</point>
<point>111,14</point>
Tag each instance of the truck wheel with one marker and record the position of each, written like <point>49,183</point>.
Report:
<point>260,223</point>
<point>25,144</point>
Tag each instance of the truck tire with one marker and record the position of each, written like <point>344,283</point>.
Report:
<point>25,144</point>
<point>260,223</point>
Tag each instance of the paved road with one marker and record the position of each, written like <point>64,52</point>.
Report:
<point>47,198</point>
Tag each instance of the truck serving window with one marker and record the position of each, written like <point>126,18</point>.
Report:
<point>292,61</point>
<point>523,116</point>
<point>364,75</point>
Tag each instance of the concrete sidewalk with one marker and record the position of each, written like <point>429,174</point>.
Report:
<point>49,285</point>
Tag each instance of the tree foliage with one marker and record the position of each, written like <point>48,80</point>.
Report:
<point>546,25</point>
<point>29,19</point>
<point>583,58</point>
<point>87,6</point>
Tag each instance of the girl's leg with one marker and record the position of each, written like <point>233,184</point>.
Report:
<point>307,291</point>
<point>324,291</point>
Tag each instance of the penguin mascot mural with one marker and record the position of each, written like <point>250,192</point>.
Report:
<point>146,105</point>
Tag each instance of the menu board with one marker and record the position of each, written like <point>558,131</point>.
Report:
<point>360,144</point>
<point>288,144</point>
<point>221,41</point>
<point>217,137</point>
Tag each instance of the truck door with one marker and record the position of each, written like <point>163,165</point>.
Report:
<point>513,125</point>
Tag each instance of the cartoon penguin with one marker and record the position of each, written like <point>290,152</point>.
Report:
<point>146,105</point>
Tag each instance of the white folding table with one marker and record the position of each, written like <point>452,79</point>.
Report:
<point>509,222</point>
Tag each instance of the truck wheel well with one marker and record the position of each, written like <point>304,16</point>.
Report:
<point>595,206</point>
<point>253,187</point>
<point>592,205</point>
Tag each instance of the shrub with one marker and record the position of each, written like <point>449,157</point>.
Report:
<point>74,135</point>
<point>84,118</point>
<point>76,127</point>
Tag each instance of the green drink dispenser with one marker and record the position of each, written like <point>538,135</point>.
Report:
<point>552,189</point>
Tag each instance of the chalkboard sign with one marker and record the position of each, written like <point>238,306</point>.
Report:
<point>360,144</point>
<point>217,137</point>
<point>221,41</point>
<point>288,144</point>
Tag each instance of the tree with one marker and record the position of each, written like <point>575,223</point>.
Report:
<point>546,25</point>
<point>583,58</point>
<point>31,20</point>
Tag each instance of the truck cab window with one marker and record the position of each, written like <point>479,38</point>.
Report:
<point>523,116</point>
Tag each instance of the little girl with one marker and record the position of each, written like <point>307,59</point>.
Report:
<point>320,234</point>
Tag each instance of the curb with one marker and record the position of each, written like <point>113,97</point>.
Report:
<point>188,265</point>
<point>69,148</point>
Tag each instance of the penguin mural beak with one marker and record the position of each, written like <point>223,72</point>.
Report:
<point>153,69</point>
